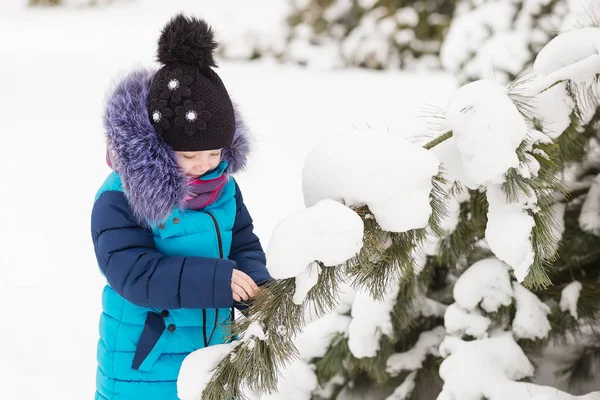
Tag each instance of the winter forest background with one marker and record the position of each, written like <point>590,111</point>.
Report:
<point>460,259</point>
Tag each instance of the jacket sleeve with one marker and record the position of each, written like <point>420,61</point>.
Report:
<point>134,268</point>
<point>246,250</point>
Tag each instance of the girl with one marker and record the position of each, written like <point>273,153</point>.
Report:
<point>170,229</point>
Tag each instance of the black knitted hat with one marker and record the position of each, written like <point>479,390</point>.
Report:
<point>188,104</point>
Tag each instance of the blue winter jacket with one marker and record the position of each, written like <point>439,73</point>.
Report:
<point>168,269</point>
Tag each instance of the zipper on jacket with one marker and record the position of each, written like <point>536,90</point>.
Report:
<point>204,327</point>
<point>219,240</point>
<point>204,336</point>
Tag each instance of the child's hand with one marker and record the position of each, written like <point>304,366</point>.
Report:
<point>243,286</point>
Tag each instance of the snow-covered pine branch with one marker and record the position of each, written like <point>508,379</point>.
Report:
<point>382,170</point>
<point>326,234</point>
<point>393,184</point>
<point>495,149</point>
<point>480,116</point>
<point>560,99</point>
<point>394,189</point>
<point>490,130</point>
<point>489,366</point>
<point>499,147</point>
<point>571,56</point>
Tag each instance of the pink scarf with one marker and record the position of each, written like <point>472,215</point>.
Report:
<point>202,193</point>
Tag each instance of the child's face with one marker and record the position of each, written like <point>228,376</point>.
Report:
<point>196,163</point>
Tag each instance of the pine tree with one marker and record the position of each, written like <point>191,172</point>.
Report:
<point>44,2</point>
<point>75,3</point>
<point>496,39</point>
<point>457,292</point>
<point>377,34</point>
<point>575,131</point>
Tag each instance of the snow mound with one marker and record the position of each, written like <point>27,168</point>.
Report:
<point>508,230</point>
<point>488,129</point>
<point>569,297</point>
<point>370,320</point>
<point>531,319</point>
<point>487,284</point>
<point>198,368</point>
<point>328,232</point>
<point>381,169</point>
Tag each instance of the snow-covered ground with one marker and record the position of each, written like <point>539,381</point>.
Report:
<point>56,66</point>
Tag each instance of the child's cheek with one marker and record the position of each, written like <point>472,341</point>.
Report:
<point>182,165</point>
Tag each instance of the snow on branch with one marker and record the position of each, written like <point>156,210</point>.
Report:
<point>297,381</point>
<point>572,56</point>
<point>531,319</point>
<point>316,337</point>
<point>200,366</point>
<point>461,322</point>
<point>569,297</point>
<point>404,391</point>
<point>488,129</point>
<point>327,232</point>
<point>488,368</point>
<point>589,219</point>
<point>380,169</point>
<point>413,359</point>
<point>508,230</point>
<point>198,369</point>
<point>486,284</point>
<point>371,319</point>
<point>472,369</point>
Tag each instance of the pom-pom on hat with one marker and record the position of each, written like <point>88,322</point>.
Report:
<point>188,104</point>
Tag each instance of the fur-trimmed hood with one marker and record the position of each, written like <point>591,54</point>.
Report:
<point>152,181</point>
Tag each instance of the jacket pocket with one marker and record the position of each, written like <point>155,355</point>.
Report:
<point>152,340</point>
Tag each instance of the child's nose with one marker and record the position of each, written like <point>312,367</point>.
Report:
<point>203,165</point>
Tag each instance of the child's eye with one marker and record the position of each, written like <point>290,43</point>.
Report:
<point>188,157</point>
<point>215,154</point>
